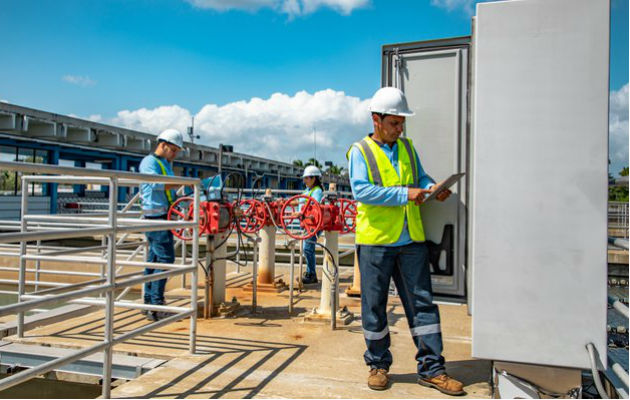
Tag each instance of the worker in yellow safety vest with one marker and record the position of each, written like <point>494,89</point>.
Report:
<point>389,183</point>
<point>156,200</point>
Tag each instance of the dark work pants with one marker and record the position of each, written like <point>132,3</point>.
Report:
<point>408,266</point>
<point>161,250</point>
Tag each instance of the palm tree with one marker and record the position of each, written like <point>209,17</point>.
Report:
<point>298,163</point>
<point>312,161</point>
<point>334,170</point>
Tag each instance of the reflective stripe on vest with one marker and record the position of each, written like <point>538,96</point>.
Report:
<point>169,195</point>
<point>379,225</point>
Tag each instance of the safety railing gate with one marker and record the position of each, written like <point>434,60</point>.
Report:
<point>113,226</point>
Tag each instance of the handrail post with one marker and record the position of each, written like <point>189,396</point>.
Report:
<point>22,274</point>
<point>108,335</point>
<point>194,275</point>
<point>291,276</point>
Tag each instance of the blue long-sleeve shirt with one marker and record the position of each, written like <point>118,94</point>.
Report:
<point>365,192</point>
<point>153,195</point>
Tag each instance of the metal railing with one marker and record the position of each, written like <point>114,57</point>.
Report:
<point>109,226</point>
<point>618,216</point>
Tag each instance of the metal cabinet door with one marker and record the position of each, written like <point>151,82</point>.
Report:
<point>433,76</point>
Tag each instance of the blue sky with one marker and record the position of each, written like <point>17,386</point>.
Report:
<point>172,58</point>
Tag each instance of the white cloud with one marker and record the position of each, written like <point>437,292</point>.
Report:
<point>290,7</point>
<point>618,130</point>
<point>83,81</point>
<point>279,127</point>
<point>451,5</point>
<point>4,101</point>
<point>155,120</point>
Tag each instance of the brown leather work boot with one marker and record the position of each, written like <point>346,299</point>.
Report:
<point>378,379</point>
<point>444,384</point>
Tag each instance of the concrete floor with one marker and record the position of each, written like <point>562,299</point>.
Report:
<point>269,354</point>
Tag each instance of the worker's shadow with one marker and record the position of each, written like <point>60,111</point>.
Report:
<point>468,372</point>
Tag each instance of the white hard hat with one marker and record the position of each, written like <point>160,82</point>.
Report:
<point>390,101</point>
<point>311,170</point>
<point>172,136</point>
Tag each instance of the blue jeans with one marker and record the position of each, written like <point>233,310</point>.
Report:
<point>408,266</point>
<point>309,254</point>
<point>161,250</point>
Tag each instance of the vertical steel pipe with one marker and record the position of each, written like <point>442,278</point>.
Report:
<point>38,264</point>
<point>22,274</point>
<point>108,335</point>
<point>291,277</point>
<point>194,276</point>
<point>255,275</point>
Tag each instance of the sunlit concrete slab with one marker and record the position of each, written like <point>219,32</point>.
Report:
<point>271,353</point>
<point>80,134</point>
<point>43,128</point>
<point>109,139</point>
<point>9,121</point>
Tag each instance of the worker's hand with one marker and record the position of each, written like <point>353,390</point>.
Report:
<point>417,195</point>
<point>443,194</point>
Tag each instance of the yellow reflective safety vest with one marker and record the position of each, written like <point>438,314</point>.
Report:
<point>381,225</point>
<point>169,194</point>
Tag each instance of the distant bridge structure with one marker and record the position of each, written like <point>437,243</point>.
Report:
<point>32,135</point>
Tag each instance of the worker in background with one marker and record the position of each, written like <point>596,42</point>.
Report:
<point>389,184</point>
<point>314,189</point>
<point>156,200</point>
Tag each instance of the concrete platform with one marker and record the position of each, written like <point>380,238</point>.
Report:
<point>272,354</point>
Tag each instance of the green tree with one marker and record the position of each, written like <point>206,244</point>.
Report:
<point>618,192</point>
<point>312,161</point>
<point>298,163</point>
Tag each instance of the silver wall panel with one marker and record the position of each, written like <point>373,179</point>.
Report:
<point>539,188</point>
<point>434,82</point>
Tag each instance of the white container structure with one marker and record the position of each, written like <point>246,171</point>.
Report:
<point>522,107</point>
<point>540,179</point>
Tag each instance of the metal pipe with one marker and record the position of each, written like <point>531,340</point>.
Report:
<point>52,235</point>
<point>32,283</point>
<point>59,170</point>
<point>86,218</point>
<point>22,264</point>
<point>131,202</point>
<point>618,305</point>
<point>255,275</point>
<point>37,263</point>
<point>621,373</point>
<point>91,248</point>
<point>291,277</point>
<point>621,243</point>
<point>78,180</point>
<point>596,378</point>
<point>48,271</point>
<point>149,278</point>
<point>27,305</point>
<point>300,285</point>
<point>61,286</point>
<point>194,276</point>
<point>97,260</point>
<point>108,334</point>
<point>123,304</point>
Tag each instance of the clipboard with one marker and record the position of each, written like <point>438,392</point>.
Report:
<point>450,181</point>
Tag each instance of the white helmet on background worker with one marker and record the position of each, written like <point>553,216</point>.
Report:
<point>390,101</point>
<point>311,170</point>
<point>172,136</point>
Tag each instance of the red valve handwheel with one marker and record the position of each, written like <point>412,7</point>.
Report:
<point>301,221</point>
<point>348,215</point>
<point>253,215</point>
<point>183,210</point>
